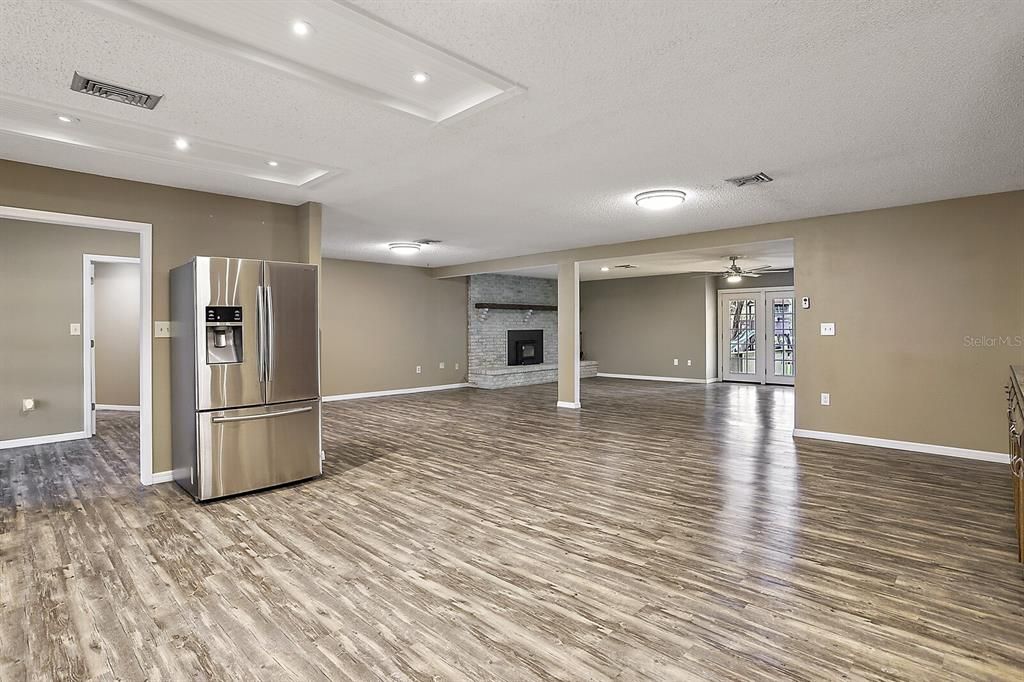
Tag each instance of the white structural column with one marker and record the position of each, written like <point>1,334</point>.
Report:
<point>569,334</point>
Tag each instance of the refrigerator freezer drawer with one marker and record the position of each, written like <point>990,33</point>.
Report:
<point>257,447</point>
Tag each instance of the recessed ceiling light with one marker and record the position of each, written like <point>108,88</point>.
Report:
<point>404,248</point>
<point>605,269</point>
<point>301,28</point>
<point>660,199</point>
<point>181,143</point>
<point>272,164</point>
<point>421,77</point>
<point>64,118</point>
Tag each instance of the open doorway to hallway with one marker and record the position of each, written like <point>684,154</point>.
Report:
<point>112,314</point>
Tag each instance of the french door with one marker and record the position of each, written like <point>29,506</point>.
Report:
<point>758,335</point>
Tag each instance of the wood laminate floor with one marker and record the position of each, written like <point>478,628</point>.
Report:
<point>664,532</point>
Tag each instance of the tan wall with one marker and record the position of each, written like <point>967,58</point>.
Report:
<point>639,325</point>
<point>380,321</point>
<point>40,297</point>
<point>116,300</point>
<point>904,286</point>
<point>185,224</point>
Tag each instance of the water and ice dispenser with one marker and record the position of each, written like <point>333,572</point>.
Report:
<point>223,334</point>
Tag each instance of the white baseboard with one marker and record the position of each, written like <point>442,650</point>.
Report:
<point>925,448</point>
<point>567,405</point>
<point>644,377</point>
<point>42,440</point>
<point>118,408</point>
<point>160,477</point>
<point>397,391</point>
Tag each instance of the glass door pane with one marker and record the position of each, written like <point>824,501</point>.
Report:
<point>781,313</point>
<point>743,334</point>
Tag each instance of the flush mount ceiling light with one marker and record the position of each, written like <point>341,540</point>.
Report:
<point>181,143</point>
<point>405,248</point>
<point>272,164</point>
<point>660,199</point>
<point>421,77</point>
<point>64,118</point>
<point>605,269</point>
<point>301,28</point>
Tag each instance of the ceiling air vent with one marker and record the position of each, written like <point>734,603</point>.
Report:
<point>755,179</point>
<point>115,93</point>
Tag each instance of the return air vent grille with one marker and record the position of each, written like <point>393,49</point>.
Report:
<point>755,179</point>
<point>114,93</point>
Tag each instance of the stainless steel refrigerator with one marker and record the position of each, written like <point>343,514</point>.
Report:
<point>245,375</point>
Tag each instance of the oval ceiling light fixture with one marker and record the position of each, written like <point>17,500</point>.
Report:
<point>181,143</point>
<point>421,77</point>
<point>660,199</point>
<point>605,269</point>
<point>64,118</point>
<point>405,248</point>
<point>272,164</point>
<point>301,28</point>
<point>734,279</point>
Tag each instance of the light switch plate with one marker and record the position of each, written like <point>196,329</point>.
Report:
<point>162,330</point>
<point>675,361</point>
<point>76,329</point>
<point>440,365</point>
<point>826,399</point>
<point>828,328</point>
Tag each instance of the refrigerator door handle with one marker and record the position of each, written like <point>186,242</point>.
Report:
<point>270,333</point>
<point>261,342</point>
<point>266,415</point>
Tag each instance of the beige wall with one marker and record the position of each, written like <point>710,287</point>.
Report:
<point>185,224</point>
<point>41,296</point>
<point>639,325</point>
<point>380,321</point>
<point>904,286</point>
<point>116,293</point>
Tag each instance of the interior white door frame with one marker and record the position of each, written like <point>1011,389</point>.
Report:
<point>89,329</point>
<point>145,232</point>
<point>762,347</point>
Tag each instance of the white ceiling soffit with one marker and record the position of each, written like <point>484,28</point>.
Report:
<point>346,50</point>
<point>31,118</point>
<point>777,254</point>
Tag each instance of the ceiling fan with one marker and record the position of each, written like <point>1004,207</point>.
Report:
<point>734,273</point>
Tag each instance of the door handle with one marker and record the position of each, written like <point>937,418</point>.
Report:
<point>270,333</point>
<point>261,341</point>
<point>265,415</point>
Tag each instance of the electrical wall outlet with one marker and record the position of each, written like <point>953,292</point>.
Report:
<point>805,302</point>
<point>828,328</point>
<point>456,365</point>
<point>76,329</point>
<point>162,330</point>
<point>826,399</point>
<point>689,363</point>
<point>419,370</point>
<point>675,361</point>
<point>440,365</point>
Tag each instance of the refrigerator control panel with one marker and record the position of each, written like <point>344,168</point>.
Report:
<point>223,313</point>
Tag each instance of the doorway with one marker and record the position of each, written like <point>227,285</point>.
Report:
<point>112,290</point>
<point>757,335</point>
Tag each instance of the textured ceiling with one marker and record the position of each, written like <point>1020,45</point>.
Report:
<point>848,105</point>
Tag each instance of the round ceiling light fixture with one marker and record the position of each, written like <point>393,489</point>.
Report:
<point>605,269</point>
<point>181,143</point>
<point>405,248</point>
<point>421,77</point>
<point>660,199</point>
<point>272,164</point>
<point>734,279</point>
<point>64,118</point>
<point>301,28</point>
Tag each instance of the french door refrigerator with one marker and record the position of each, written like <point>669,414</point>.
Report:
<point>245,375</point>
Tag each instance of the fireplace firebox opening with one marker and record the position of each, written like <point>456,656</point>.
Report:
<point>525,347</point>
